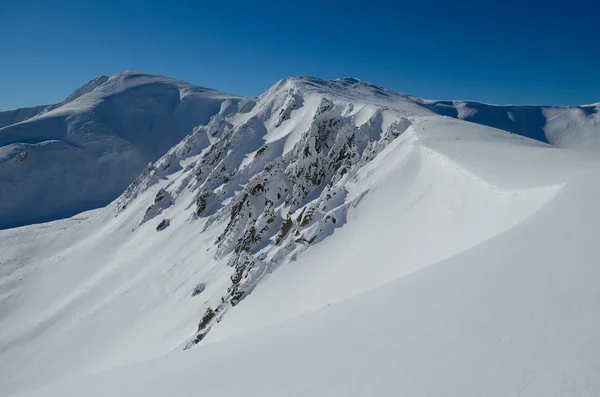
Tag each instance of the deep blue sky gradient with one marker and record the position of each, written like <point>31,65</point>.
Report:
<point>531,51</point>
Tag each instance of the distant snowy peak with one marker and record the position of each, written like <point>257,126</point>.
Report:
<point>8,117</point>
<point>574,127</point>
<point>107,86</point>
<point>87,87</point>
<point>348,88</point>
<point>82,153</point>
<point>102,88</point>
<point>130,79</point>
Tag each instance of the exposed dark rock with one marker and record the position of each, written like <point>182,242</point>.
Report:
<point>260,151</point>
<point>163,225</point>
<point>207,318</point>
<point>236,297</point>
<point>285,228</point>
<point>308,214</point>
<point>22,156</point>
<point>257,189</point>
<point>201,202</point>
<point>198,289</point>
<point>160,195</point>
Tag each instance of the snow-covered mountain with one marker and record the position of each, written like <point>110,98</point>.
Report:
<point>325,238</point>
<point>573,127</point>
<point>8,117</point>
<point>58,160</point>
<point>81,153</point>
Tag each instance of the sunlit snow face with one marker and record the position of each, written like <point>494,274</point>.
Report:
<point>296,209</point>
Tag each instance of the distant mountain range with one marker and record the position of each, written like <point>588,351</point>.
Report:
<point>61,159</point>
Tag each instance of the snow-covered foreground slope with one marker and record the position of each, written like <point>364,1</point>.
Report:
<point>436,191</point>
<point>80,154</point>
<point>325,238</point>
<point>505,305</point>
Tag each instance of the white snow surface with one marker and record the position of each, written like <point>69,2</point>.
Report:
<point>82,153</point>
<point>348,240</point>
<point>574,127</point>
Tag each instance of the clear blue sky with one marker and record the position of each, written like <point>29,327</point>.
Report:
<point>543,52</point>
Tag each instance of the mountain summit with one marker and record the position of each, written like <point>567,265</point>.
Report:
<point>81,153</point>
<point>328,237</point>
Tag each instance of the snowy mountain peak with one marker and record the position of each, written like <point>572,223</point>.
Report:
<point>295,208</point>
<point>81,153</point>
<point>271,178</point>
<point>348,87</point>
<point>354,82</point>
<point>86,88</point>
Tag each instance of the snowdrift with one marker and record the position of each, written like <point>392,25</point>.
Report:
<point>325,238</point>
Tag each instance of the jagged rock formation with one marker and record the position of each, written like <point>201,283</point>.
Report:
<point>274,175</point>
<point>273,178</point>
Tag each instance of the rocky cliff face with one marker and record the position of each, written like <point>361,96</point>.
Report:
<point>270,177</point>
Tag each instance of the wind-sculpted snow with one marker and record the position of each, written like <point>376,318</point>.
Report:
<point>315,194</point>
<point>8,117</point>
<point>273,205</point>
<point>512,316</point>
<point>81,153</point>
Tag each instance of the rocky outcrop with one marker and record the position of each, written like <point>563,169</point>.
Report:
<point>165,223</point>
<point>269,205</point>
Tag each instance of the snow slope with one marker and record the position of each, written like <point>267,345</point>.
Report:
<point>569,127</point>
<point>81,153</point>
<point>508,314</point>
<point>575,127</point>
<point>325,238</point>
<point>436,191</point>
<point>8,117</point>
